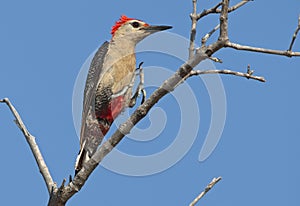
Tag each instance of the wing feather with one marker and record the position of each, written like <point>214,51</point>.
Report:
<point>89,124</point>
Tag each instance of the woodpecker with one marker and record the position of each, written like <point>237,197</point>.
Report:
<point>109,82</point>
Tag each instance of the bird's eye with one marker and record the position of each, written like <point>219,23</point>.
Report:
<point>135,24</point>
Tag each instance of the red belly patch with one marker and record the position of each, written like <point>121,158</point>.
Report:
<point>110,112</point>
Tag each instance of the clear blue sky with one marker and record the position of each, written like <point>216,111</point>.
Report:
<point>44,45</point>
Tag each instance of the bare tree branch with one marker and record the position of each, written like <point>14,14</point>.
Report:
<point>223,35</point>
<point>208,35</point>
<point>193,29</point>
<point>238,5</point>
<point>212,10</point>
<point>295,35</point>
<point>224,21</point>
<point>261,50</point>
<point>33,146</point>
<point>216,10</point>
<point>208,187</point>
<point>226,71</point>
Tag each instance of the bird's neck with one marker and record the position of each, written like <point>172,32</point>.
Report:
<point>118,53</point>
<point>123,44</point>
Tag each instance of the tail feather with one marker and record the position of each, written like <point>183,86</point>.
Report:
<point>81,158</point>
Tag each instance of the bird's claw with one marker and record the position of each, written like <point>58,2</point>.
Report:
<point>140,88</point>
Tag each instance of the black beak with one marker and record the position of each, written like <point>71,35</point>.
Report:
<point>156,28</point>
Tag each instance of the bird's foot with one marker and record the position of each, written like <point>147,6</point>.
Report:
<point>140,89</point>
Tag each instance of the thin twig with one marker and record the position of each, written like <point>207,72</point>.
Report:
<point>208,187</point>
<point>238,5</point>
<point>62,184</point>
<point>193,30</point>
<point>216,59</point>
<point>33,146</point>
<point>216,10</point>
<point>227,71</point>
<point>295,35</point>
<point>209,11</point>
<point>208,35</point>
<point>261,50</point>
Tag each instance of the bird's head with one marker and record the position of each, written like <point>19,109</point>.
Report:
<point>134,30</point>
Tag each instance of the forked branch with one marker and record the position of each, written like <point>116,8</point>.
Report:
<point>294,35</point>
<point>216,10</point>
